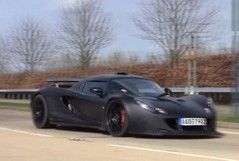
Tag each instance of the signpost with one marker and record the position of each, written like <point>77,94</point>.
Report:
<point>235,51</point>
<point>191,56</point>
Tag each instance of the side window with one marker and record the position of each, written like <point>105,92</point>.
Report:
<point>94,84</point>
<point>79,87</point>
<point>115,88</point>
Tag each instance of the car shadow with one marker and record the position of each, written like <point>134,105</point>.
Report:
<point>217,135</point>
<point>104,133</point>
<point>80,129</point>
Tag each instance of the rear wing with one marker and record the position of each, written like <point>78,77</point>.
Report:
<point>62,82</point>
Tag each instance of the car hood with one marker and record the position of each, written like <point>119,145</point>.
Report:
<point>177,106</point>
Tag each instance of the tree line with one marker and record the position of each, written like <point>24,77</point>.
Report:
<point>85,29</point>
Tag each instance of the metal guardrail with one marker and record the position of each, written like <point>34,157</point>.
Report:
<point>206,90</point>
<point>220,95</point>
<point>18,90</point>
<point>17,93</point>
<point>176,90</point>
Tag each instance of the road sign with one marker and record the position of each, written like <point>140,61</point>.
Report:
<point>235,15</point>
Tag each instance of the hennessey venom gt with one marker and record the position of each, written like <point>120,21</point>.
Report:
<point>122,104</point>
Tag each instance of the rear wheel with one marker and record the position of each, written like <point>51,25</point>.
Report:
<point>117,120</point>
<point>40,112</point>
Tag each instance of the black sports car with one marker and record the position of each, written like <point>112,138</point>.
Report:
<point>122,104</point>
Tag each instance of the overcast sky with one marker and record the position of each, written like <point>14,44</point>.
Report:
<point>47,11</point>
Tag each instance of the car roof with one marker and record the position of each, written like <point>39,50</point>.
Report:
<point>108,77</point>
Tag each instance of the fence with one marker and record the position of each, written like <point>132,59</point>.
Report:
<point>17,93</point>
<point>219,95</point>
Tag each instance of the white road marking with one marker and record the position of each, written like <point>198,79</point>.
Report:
<point>25,132</point>
<point>229,132</point>
<point>171,152</point>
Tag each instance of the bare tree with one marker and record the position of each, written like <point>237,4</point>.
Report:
<point>116,59</point>
<point>153,58</point>
<point>86,30</point>
<point>133,59</point>
<point>3,56</point>
<point>61,62</point>
<point>29,45</point>
<point>169,23</point>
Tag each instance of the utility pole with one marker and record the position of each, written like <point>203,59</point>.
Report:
<point>235,51</point>
<point>191,56</point>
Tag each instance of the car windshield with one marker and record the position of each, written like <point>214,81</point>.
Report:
<point>141,87</point>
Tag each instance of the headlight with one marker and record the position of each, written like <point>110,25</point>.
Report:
<point>210,103</point>
<point>148,108</point>
<point>160,110</point>
<point>144,106</point>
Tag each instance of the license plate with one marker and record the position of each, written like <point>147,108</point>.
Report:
<point>192,121</point>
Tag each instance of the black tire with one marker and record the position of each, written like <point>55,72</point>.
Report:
<point>117,120</point>
<point>40,115</point>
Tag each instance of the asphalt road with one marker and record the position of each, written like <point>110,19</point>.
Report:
<point>21,141</point>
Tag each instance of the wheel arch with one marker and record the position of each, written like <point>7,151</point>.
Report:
<point>46,93</point>
<point>111,106</point>
<point>124,101</point>
<point>44,109</point>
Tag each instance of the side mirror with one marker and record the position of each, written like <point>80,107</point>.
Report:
<point>98,91</point>
<point>168,91</point>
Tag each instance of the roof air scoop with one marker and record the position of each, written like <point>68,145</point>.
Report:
<point>121,73</point>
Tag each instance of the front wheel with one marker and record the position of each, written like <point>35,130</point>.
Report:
<point>117,119</point>
<point>40,112</point>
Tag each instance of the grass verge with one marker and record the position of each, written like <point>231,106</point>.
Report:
<point>233,119</point>
<point>14,105</point>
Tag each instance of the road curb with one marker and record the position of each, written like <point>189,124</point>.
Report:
<point>229,125</point>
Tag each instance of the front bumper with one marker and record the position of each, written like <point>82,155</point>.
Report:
<point>143,122</point>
